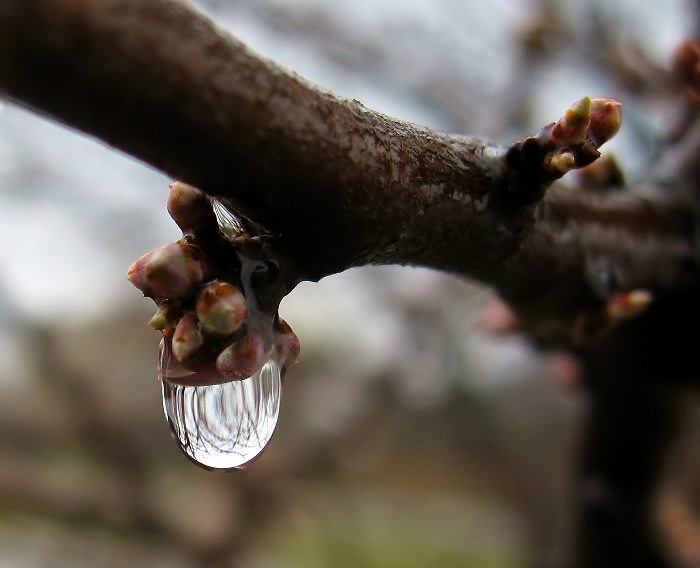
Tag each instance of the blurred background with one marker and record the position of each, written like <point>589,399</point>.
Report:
<point>412,434</point>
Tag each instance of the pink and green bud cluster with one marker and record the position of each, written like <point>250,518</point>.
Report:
<point>212,334</point>
<point>573,141</point>
<point>588,120</point>
<point>238,359</point>
<point>220,311</point>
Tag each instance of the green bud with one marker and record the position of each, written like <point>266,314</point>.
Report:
<point>221,308</point>
<point>160,319</point>
<point>560,162</point>
<point>572,128</point>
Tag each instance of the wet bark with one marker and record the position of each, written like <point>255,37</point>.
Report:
<point>336,185</point>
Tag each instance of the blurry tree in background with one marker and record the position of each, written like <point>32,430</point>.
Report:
<point>421,427</point>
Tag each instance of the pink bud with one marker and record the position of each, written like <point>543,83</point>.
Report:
<point>221,308</point>
<point>168,271</point>
<point>606,119</point>
<point>187,338</point>
<point>243,358</point>
<point>189,207</point>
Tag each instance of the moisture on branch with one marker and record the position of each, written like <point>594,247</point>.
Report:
<point>337,184</point>
<point>607,271</point>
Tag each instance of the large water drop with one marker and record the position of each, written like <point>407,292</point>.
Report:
<point>223,426</point>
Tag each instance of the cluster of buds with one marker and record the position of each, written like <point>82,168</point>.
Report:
<point>212,333</point>
<point>571,142</point>
<point>574,139</point>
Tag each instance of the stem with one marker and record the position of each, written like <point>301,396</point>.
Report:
<point>333,185</point>
<point>336,184</point>
<point>161,82</point>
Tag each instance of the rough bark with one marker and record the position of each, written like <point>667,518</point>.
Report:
<point>342,184</point>
<point>338,185</point>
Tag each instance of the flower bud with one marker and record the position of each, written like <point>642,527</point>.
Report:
<point>606,119</point>
<point>187,338</point>
<point>168,271</point>
<point>160,319</point>
<point>287,341</point>
<point>221,308</point>
<point>560,162</point>
<point>243,358</point>
<point>189,207</point>
<point>572,128</point>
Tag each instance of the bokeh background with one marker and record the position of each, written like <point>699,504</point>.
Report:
<point>411,433</point>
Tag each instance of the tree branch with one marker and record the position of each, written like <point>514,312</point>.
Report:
<point>159,81</point>
<point>337,184</point>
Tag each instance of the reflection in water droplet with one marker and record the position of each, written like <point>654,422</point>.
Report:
<point>225,426</point>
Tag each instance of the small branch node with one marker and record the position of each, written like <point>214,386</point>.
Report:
<point>571,142</point>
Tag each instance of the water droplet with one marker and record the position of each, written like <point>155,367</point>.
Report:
<point>223,426</point>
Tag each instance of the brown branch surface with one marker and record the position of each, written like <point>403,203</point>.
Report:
<point>341,183</point>
<point>335,183</point>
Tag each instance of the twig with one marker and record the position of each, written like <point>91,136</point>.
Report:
<point>336,185</point>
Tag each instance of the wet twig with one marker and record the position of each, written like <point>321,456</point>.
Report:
<point>337,185</point>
